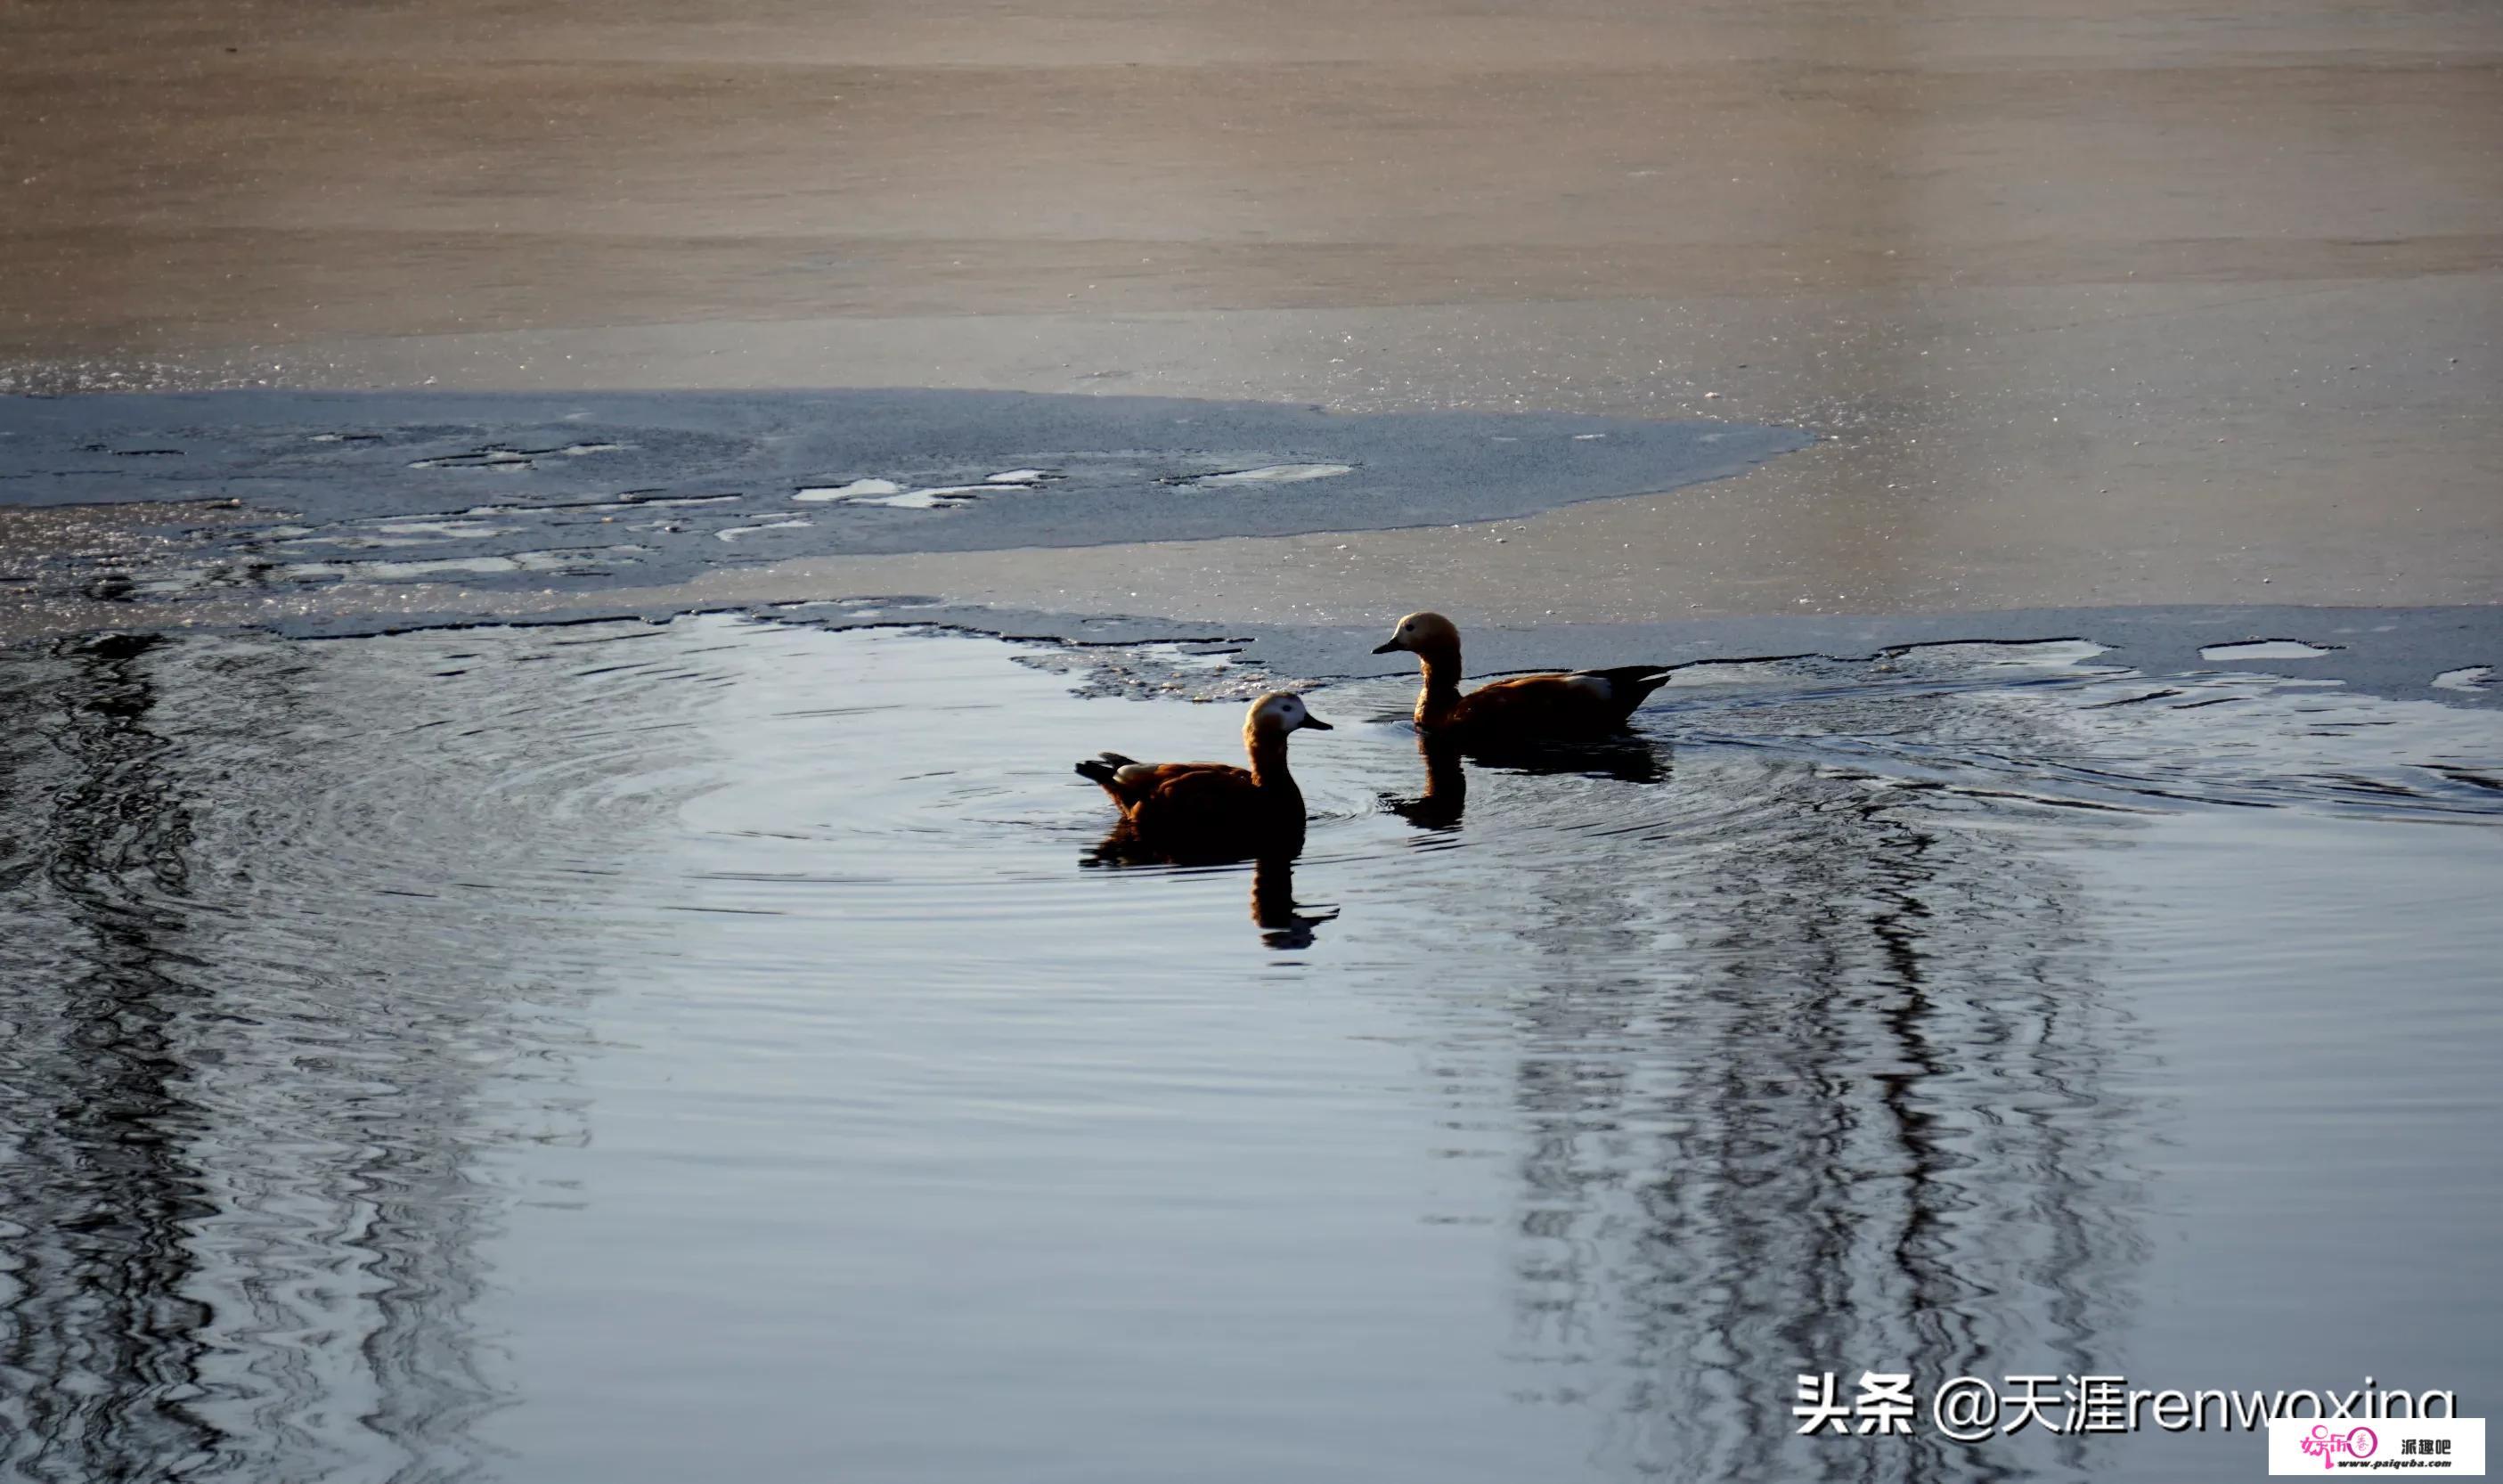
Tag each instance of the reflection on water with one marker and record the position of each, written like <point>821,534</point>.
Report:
<point>1632,758</point>
<point>249,1034</point>
<point>1874,1126</point>
<point>1282,920</point>
<point>378,1013</point>
<point>1446,799</point>
<point>1745,1086</point>
<point>99,1183</point>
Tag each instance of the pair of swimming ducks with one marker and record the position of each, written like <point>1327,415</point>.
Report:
<point>1217,808</point>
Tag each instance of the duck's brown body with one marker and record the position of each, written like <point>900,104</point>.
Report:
<point>1216,809</point>
<point>1524,709</point>
<point>1210,804</point>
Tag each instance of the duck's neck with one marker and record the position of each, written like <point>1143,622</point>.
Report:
<point>1442,692</point>
<point>1268,751</point>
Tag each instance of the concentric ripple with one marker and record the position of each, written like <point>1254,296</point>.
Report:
<point>381,1016</point>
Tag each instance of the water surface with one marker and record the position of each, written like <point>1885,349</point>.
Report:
<point>648,1051</point>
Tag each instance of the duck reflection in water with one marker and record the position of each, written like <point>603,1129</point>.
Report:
<point>1282,922</point>
<point>1628,758</point>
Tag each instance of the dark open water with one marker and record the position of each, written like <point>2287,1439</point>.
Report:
<point>653,1053</point>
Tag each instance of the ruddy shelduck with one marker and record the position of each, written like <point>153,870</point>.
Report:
<point>1217,808</point>
<point>1524,709</point>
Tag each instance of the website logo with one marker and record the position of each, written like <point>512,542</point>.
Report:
<point>2445,1445</point>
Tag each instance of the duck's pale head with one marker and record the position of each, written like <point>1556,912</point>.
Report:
<point>1280,713</point>
<point>1422,633</point>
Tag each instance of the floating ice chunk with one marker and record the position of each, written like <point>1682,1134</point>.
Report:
<point>886,491</point>
<point>735,531</point>
<point>2267,649</point>
<point>2002,654</point>
<point>621,503</point>
<point>450,567</point>
<point>2038,652</point>
<point>448,528</point>
<point>504,460</point>
<point>628,503</point>
<point>2474,678</point>
<point>513,460</point>
<point>853,608</point>
<point>858,488</point>
<point>1278,473</point>
<point>418,533</point>
<point>935,498</point>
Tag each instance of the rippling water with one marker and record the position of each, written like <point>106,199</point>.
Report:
<point>661,1052</point>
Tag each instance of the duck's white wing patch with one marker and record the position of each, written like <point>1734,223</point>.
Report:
<point>1596,687</point>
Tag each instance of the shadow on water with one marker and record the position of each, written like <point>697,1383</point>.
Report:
<point>1805,1049</point>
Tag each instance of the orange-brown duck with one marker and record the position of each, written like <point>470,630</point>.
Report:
<point>1216,809</point>
<point>1521,710</point>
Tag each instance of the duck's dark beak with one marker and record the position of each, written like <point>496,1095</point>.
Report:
<point>1316,724</point>
<point>1386,646</point>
